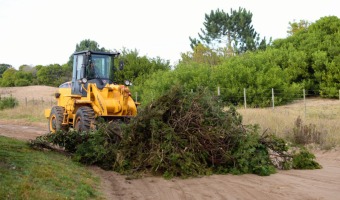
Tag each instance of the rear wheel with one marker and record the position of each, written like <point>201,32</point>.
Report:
<point>85,119</point>
<point>56,119</point>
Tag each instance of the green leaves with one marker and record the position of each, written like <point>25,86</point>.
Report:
<point>138,68</point>
<point>3,68</point>
<point>305,160</point>
<point>52,75</point>
<point>233,30</point>
<point>315,48</point>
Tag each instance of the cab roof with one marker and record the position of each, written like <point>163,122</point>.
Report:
<point>97,53</point>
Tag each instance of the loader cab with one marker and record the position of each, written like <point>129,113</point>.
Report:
<point>92,67</point>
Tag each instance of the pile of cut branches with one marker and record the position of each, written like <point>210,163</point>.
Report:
<point>185,134</point>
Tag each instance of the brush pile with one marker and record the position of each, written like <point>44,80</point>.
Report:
<point>181,134</point>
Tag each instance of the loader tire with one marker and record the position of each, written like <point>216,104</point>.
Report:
<point>56,119</point>
<point>85,119</point>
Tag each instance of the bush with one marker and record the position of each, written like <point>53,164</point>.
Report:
<point>305,160</point>
<point>22,82</point>
<point>8,102</point>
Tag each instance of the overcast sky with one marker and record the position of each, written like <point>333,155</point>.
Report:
<point>46,31</point>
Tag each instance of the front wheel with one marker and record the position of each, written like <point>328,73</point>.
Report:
<point>85,119</point>
<point>56,119</point>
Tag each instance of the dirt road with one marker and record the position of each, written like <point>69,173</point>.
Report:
<point>292,184</point>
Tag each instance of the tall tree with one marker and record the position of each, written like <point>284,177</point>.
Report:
<point>234,31</point>
<point>295,27</point>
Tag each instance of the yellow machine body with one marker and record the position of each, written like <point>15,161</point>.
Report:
<point>111,102</point>
<point>92,93</point>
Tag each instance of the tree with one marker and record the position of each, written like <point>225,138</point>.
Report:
<point>295,27</point>
<point>52,75</point>
<point>89,45</point>
<point>320,44</point>
<point>138,68</point>
<point>23,78</point>
<point>234,31</point>
<point>86,44</point>
<point>8,77</point>
<point>201,54</point>
<point>3,68</point>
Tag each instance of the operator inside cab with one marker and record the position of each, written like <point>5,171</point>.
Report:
<point>91,71</point>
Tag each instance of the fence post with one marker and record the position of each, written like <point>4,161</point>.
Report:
<point>273,98</point>
<point>136,96</point>
<point>218,91</point>
<point>192,91</point>
<point>304,100</point>
<point>245,98</point>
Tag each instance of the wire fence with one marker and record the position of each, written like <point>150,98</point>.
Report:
<point>31,101</point>
<point>242,98</point>
<point>269,98</point>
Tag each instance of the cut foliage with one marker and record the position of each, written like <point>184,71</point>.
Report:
<point>180,134</point>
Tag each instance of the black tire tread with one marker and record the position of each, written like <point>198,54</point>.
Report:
<point>87,118</point>
<point>59,113</point>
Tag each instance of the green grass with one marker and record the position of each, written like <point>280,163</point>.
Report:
<point>29,174</point>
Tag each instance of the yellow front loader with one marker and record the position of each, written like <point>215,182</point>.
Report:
<point>91,94</point>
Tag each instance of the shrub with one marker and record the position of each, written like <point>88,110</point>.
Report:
<point>305,160</point>
<point>307,134</point>
<point>8,102</point>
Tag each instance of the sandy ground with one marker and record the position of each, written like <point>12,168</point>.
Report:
<point>291,184</point>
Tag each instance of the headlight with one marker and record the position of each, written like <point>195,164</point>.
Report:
<point>84,80</point>
<point>127,82</point>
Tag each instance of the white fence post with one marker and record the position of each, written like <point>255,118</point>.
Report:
<point>245,98</point>
<point>218,91</point>
<point>304,100</point>
<point>273,102</point>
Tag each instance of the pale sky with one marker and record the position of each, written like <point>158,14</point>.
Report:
<point>45,32</point>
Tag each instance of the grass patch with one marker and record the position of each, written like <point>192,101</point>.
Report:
<point>29,113</point>
<point>322,115</point>
<point>29,174</point>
